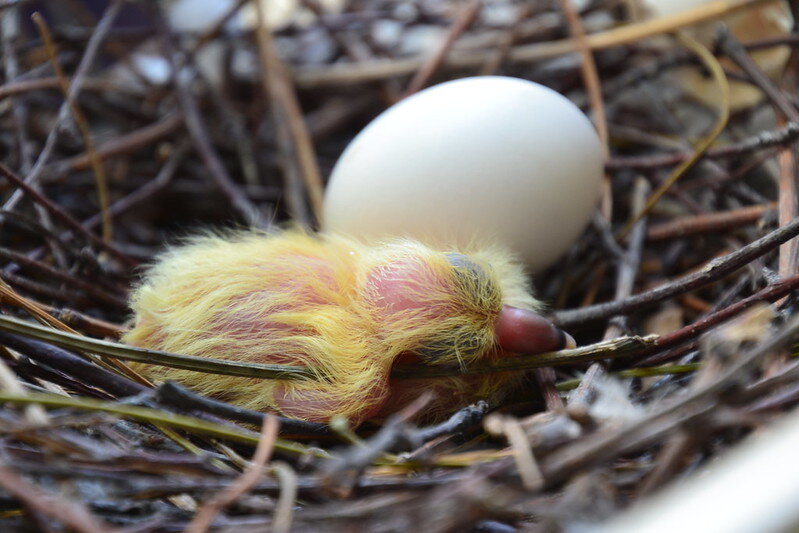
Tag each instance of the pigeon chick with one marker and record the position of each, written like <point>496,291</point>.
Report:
<point>346,311</point>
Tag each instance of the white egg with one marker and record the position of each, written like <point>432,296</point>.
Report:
<point>472,161</point>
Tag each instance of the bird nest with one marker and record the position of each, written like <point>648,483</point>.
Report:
<point>126,125</point>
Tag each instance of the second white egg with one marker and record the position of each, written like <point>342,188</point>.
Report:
<point>476,160</point>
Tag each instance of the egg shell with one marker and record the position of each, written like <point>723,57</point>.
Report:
<point>487,159</point>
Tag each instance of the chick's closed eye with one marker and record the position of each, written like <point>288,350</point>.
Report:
<point>346,311</point>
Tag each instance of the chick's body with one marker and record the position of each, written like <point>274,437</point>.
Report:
<point>346,311</point>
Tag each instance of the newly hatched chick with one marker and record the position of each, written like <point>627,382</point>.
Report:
<point>346,311</point>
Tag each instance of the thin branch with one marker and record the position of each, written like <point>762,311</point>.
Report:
<point>465,18</point>
<point>65,217</point>
<point>712,272</point>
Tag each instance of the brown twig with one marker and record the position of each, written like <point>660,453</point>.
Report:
<point>465,18</point>
<point>766,139</point>
<point>711,273</point>
<point>707,223</point>
<point>89,54</point>
<point>64,216</point>
<point>72,514</point>
<point>291,129</point>
<point>699,403</point>
<point>99,172</point>
<point>593,88</point>
<point>771,293</point>
<point>69,279</point>
<point>787,157</point>
<point>124,144</point>
<point>202,143</point>
<point>203,519</point>
<point>53,83</point>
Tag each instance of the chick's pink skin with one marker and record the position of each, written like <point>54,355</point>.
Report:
<point>400,286</point>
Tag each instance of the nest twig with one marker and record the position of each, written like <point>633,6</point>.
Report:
<point>130,124</point>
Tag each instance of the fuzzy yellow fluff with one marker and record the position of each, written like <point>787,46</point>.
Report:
<point>345,310</point>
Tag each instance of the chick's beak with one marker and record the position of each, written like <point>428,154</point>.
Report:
<point>524,331</point>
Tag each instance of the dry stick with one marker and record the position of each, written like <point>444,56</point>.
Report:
<point>189,362</point>
<point>355,48</point>
<point>599,448</point>
<point>72,365</point>
<point>64,216</point>
<point>788,162</point>
<point>78,116</point>
<point>292,132</point>
<point>522,449</point>
<point>786,376</point>
<point>593,87</point>
<point>712,272</point>
<point>787,157</point>
<point>160,181</point>
<point>124,144</point>
<point>769,294</point>
<point>512,34</point>
<point>94,85</point>
<point>160,418</point>
<point>668,460</point>
<point>49,292</point>
<point>629,262</point>
<point>10,32</point>
<point>173,395</point>
<point>81,322</point>
<point>616,348</point>
<point>89,288</point>
<point>765,139</point>
<point>708,223</point>
<point>41,315</point>
<point>70,513</point>
<point>92,47</point>
<point>202,143</point>
<point>230,116</point>
<point>287,500</point>
<point>545,377</point>
<point>202,521</point>
<point>735,51</point>
<point>465,18</point>
<point>377,70</point>
<point>778,400</point>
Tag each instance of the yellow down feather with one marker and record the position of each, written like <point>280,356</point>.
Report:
<point>301,299</point>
